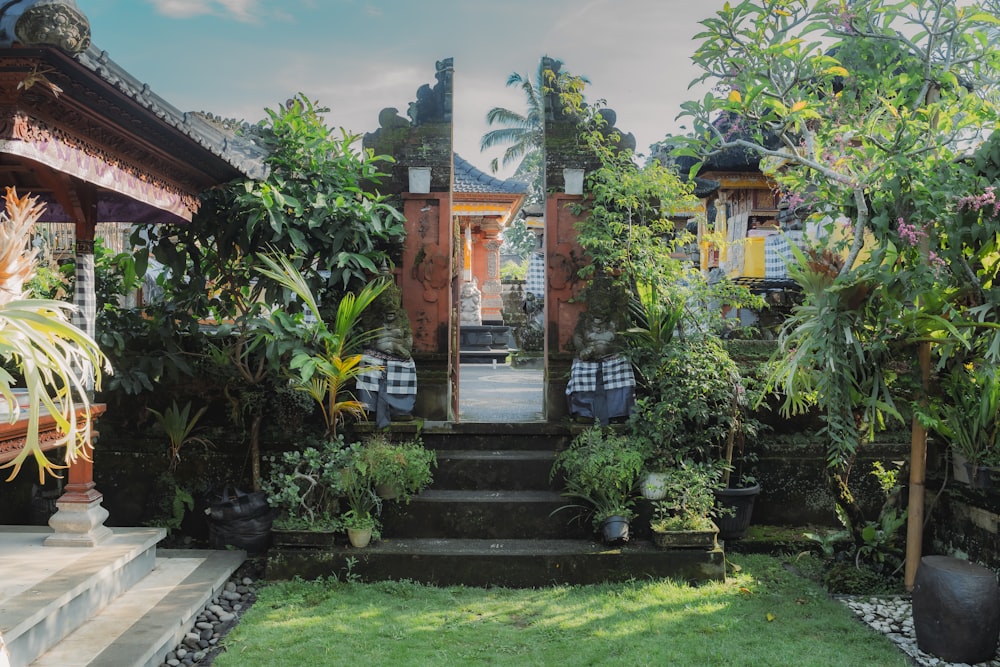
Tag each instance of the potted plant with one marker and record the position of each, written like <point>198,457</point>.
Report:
<point>398,470</point>
<point>601,468</point>
<point>305,487</point>
<point>693,408</point>
<point>363,504</point>
<point>967,416</point>
<point>683,518</point>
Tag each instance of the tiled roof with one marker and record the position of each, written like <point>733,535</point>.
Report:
<point>240,152</point>
<point>468,179</point>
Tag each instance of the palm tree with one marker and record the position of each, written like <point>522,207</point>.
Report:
<point>523,133</point>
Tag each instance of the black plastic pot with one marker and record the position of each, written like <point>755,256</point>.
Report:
<point>733,524</point>
<point>614,530</point>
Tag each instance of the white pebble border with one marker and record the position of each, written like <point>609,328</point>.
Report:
<point>893,617</point>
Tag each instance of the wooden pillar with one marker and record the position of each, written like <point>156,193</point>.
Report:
<point>79,519</point>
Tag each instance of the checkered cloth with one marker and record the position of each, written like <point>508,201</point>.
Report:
<point>616,370</point>
<point>388,387</point>
<point>778,252</point>
<point>535,280</point>
<point>400,376</point>
<point>85,317</point>
<point>85,296</point>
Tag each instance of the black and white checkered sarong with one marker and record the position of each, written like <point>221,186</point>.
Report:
<point>616,371</point>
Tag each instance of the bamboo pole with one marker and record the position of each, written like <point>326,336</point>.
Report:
<point>918,475</point>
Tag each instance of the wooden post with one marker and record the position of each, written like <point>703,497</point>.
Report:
<point>918,475</point>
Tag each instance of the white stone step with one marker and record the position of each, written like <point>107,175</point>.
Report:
<point>47,592</point>
<point>151,618</point>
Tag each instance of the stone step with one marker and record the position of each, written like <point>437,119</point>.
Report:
<point>499,562</point>
<point>495,436</point>
<point>48,592</point>
<point>143,624</point>
<point>489,514</point>
<point>475,469</point>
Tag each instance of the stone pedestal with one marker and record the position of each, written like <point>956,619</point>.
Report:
<point>956,609</point>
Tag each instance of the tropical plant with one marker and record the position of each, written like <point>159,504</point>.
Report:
<point>402,467</point>
<point>328,357</point>
<point>39,346</point>
<point>600,468</point>
<point>868,116</point>
<point>967,415</point>
<point>316,204</point>
<point>305,486</point>
<point>522,132</point>
<point>364,505</point>
<point>690,408</point>
<point>178,424</point>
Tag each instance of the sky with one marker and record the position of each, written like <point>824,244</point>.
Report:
<point>235,58</point>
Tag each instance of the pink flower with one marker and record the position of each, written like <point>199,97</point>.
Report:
<point>982,202</point>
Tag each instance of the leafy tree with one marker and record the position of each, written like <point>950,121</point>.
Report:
<point>315,205</point>
<point>865,113</point>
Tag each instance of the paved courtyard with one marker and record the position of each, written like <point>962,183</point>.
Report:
<point>502,394</point>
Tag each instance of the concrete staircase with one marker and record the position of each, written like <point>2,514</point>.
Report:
<point>120,603</point>
<point>493,518</point>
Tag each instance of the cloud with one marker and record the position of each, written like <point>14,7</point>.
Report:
<point>248,11</point>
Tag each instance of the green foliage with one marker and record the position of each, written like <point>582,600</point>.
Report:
<point>178,424</point>
<point>967,414</point>
<point>173,503</point>
<point>689,503</point>
<point>691,402</point>
<point>601,468</point>
<point>627,228</point>
<point>363,504</point>
<point>316,205</point>
<point>328,356</point>
<point>403,466</point>
<point>511,271</point>
<point>305,486</point>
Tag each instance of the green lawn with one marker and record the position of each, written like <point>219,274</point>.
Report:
<point>763,615</point>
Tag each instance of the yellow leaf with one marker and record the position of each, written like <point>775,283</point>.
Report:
<point>782,12</point>
<point>770,617</point>
<point>734,96</point>
<point>799,106</point>
<point>837,70</point>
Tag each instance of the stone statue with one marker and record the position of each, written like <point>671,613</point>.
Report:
<point>387,384</point>
<point>471,300</point>
<point>394,337</point>
<point>594,337</point>
<point>386,317</point>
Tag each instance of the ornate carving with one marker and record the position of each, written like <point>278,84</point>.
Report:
<point>31,130</point>
<point>85,246</point>
<point>53,24</point>
<point>433,105</point>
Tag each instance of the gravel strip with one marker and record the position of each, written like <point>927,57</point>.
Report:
<point>893,617</point>
<point>200,645</point>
